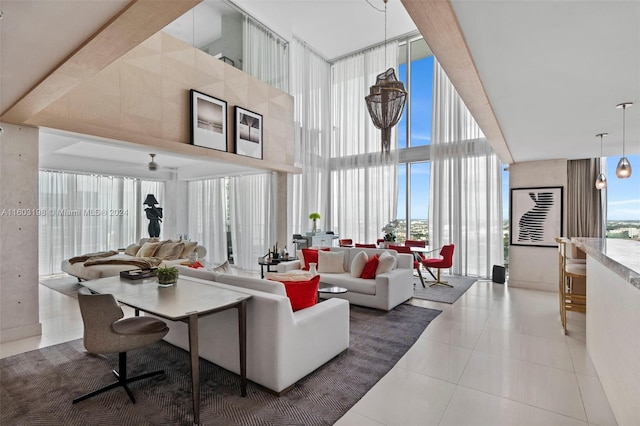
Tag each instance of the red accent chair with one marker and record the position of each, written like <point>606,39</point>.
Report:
<point>365,245</point>
<point>345,243</point>
<point>415,243</point>
<point>445,262</point>
<point>416,256</point>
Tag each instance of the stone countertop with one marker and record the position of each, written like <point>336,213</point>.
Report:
<point>621,256</point>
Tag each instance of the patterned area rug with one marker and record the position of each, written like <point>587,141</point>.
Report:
<point>37,387</point>
<point>440,293</point>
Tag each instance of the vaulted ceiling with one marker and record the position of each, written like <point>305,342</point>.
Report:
<point>542,78</point>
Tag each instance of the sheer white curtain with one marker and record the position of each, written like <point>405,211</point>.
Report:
<point>265,55</point>
<point>253,219</point>
<point>310,86</point>
<point>363,181</point>
<point>208,215</point>
<point>466,204</point>
<point>85,213</point>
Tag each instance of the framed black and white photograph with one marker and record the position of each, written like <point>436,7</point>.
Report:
<point>248,133</point>
<point>208,121</point>
<point>536,216</point>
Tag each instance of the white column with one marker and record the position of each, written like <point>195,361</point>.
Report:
<point>19,307</point>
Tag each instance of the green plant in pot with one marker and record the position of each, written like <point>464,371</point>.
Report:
<point>314,217</point>
<point>167,275</point>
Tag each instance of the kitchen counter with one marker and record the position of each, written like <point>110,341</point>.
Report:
<point>620,256</point>
<point>613,321</point>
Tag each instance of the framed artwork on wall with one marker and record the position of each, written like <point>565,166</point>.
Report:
<point>208,121</point>
<point>536,216</point>
<point>248,133</point>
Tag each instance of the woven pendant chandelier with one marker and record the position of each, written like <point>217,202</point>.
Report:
<point>386,99</point>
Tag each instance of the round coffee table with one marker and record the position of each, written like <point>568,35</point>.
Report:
<point>331,290</point>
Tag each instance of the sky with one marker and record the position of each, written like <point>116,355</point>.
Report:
<point>623,195</point>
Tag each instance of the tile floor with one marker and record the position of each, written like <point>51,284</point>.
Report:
<point>495,357</point>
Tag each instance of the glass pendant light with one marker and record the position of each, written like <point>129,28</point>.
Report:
<point>623,170</point>
<point>601,182</point>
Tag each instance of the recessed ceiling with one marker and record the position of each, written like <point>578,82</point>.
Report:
<point>80,153</point>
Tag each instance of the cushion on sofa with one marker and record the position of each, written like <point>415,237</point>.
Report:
<point>302,294</point>
<point>224,268</point>
<point>311,256</point>
<point>257,284</point>
<point>189,247</point>
<point>331,262</point>
<point>132,249</point>
<point>386,262</point>
<point>357,264</point>
<point>301,259</point>
<point>369,271</point>
<point>148,249</point>
<point>169,250</point>
<point>295,275</point>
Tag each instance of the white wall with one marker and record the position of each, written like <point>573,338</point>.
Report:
<point>536,267</point>
<point>19,307</point>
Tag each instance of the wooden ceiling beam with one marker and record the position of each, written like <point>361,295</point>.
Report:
<point>138,21</point>
<point>438,24</point>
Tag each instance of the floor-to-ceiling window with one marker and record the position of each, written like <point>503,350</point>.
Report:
<point>82,213</point>
<point>623,200</point>
<point>415,70</point>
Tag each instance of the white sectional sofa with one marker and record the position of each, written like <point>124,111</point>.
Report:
<point>385,292</point>
<point>282,346</point>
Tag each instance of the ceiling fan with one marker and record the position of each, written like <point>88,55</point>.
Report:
<point>153,166</point>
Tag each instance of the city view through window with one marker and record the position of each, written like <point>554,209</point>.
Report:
<point>623,195</point>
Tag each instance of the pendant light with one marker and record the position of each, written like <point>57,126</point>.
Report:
<point>601,182</point>
<point>623,170</point>
<point>386,98</point>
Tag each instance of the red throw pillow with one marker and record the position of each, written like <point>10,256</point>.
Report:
<point>311,256</point>
<point>302,294</point>
<point>369,271</point>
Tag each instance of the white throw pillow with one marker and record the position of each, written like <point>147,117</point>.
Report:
<point>330,261</point>
<point>295,275</point>
<point>357,264</point>
<point>386,262</point>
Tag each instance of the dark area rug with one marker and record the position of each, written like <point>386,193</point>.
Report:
<point>440,293</point>
<point>37,387</point>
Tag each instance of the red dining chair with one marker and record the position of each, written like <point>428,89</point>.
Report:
<point>347,242</point>
<point>416,262</point>
<point>365,245</point>
<point>445,262</point>
<point>415,243</point>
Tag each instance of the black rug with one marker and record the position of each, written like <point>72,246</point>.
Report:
<point>37,387</point>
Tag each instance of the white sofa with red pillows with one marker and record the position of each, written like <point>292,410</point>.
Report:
<point>283,345</point>
<point>385,285</point>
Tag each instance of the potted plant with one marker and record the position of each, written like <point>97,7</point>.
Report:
<point>390,232</point>
<point>167,276</point>
<point>314,217</point>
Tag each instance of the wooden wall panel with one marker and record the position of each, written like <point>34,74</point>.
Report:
<point>143,97</point>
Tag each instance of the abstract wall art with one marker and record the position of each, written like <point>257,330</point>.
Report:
<point>536,216</point>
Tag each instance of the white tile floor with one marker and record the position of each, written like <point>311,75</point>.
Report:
<point>495,357</point>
